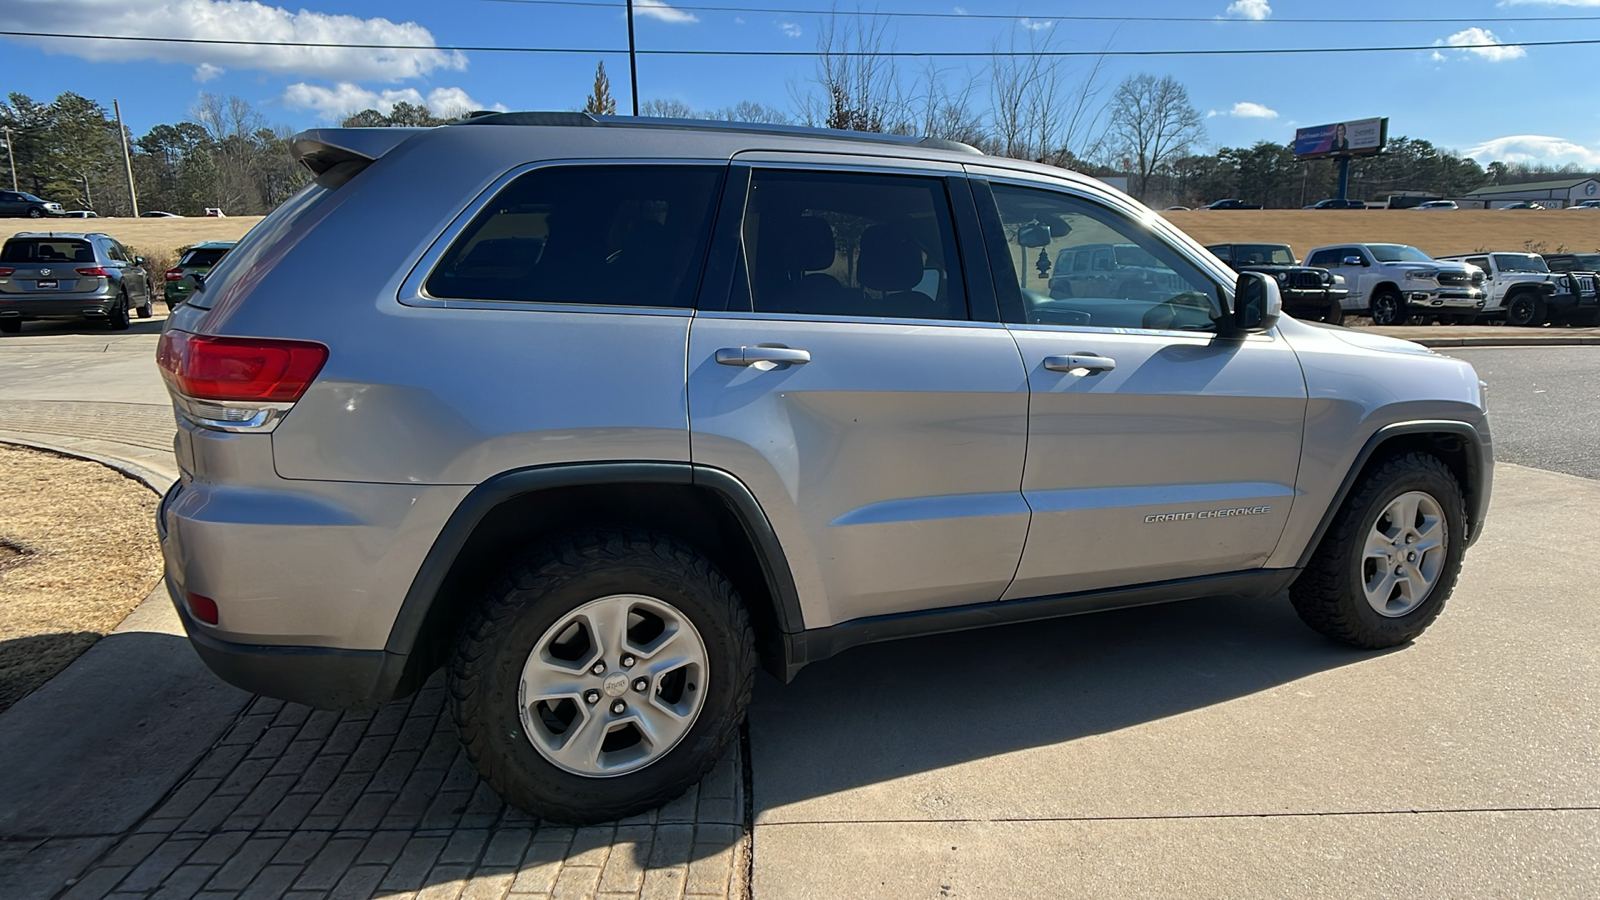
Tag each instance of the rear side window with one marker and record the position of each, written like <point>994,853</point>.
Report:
<point>269,241</point>
<point>617,235</point>
<point>203,256</point>
<point>30,250</point>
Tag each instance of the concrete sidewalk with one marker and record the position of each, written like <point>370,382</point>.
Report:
<point>137,773</point>
<point>1489,335</point>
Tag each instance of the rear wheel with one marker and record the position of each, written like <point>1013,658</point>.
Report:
<point>603,676</point>
<point>1388,308</point>
<point>1388,563</point>
<point>1526,309</point>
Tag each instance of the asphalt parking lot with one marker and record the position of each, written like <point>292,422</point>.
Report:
<point>1544,405</point>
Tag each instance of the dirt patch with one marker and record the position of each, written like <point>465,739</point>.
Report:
<point>78,551</point>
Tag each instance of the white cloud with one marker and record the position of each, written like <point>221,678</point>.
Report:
<point>960,10</point>
<point>655,9</point>
<point>1035,24</point>
<point>1250,9</point>
<point>1244,109</point>
<point>206,71</point>
<point>1476,35</point>
<point>1536,148</point>
<point>790,29</point>
<point>344,98</point>
<point>233,20</point>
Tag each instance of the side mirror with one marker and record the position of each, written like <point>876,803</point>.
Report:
<point>1256,303</point>
<point>1031,236</point>
<point>138,260</point>
<point>1352,261</point>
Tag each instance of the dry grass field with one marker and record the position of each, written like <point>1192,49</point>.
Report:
<point>1437,232</point>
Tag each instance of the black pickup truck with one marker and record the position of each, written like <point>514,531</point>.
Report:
<point>1311,294</point>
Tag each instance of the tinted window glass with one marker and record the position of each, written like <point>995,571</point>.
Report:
<point>1134,280</point>
<point>45,252</point>
<point>1398,253</point>
<point>1262,255</point>
<point>1518,262</point>
<point>1324,259</point>
<point>269,241</point>
<point>621,235</point>
<point>203,257</point>
<point>845,244</point>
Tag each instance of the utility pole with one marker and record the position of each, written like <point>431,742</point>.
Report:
<point>633,61</point>
<point>127,159</point>
<point>12,155</point>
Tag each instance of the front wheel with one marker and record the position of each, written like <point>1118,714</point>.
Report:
<point>1526,309</point>
<point>117,316</point>
<point>1388,308</point>
<point>1388,563</point>
<point>148,309</point>
<point>1334,314</point>
<point>603,676</point>
<point>35,213</point>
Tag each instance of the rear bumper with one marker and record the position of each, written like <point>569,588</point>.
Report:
<point>91,306</point>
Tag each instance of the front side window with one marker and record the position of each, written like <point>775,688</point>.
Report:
<point>1325,259</point>
<point>1134,278</point>
<point>620,235</point>
<point>852,244</point>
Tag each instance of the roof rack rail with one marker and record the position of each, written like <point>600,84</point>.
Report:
<point>588,120</point>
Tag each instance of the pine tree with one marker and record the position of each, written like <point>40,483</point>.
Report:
<point>600,102</point>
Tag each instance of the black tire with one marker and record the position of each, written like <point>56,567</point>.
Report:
<point>1526,309</point>
<point>1588,318</point>
<point>1329,594</point>
<point>10,326</point>
<point>35,212</point>
<point>117,316</point>
<point>148,309</point>
<point>1388,308</point>
<point>533,595</point>
<point>1334,314</point>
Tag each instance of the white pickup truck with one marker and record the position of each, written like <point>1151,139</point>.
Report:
<point>1521,290</point>
<point>1394,283</point>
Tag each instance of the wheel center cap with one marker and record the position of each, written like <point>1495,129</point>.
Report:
<point>616,684</point>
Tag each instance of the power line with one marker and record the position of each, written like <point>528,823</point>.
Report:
<point>1424,20</point>
<point>918,54</point>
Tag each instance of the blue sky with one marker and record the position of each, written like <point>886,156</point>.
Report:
<point>1494,103</point>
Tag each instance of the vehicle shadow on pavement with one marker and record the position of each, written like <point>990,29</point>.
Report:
<point>46,329</point>
<point>886,711</point>
<point>277,798</point>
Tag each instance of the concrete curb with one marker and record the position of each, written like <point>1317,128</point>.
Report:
<point>150,478</point>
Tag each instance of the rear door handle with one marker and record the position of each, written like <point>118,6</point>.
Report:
<point>1094,364</point>
<point>749,356</point>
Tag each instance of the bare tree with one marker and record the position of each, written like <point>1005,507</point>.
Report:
<point>941,100</point>
<point>667,109</point>
<point>1153,123</point>
<point>600,101</point>
<point>855,86</point>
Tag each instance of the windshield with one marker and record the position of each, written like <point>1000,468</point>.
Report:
<point>1398,253</point>
<point>1519,262</point>
<point>1262,255</point>
<point>46,252</point>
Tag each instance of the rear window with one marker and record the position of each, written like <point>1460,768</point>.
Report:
<point>203,256</point>
<point>36,250</point>
<point>619,235</point>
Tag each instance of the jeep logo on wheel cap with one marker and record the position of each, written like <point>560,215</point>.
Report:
<point>616,684</point>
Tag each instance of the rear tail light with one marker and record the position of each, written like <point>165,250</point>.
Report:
<point>174,274</point>
<point>202,608</point>
<point>4,271</point>
<point>239,369</point>
<point>94,272</point>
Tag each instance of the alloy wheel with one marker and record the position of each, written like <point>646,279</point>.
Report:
<point>1404,554</point>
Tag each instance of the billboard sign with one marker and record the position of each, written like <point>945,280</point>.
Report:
<point>1364,137</point>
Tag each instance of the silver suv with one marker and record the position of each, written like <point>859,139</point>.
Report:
<point>609,412</point>
<point>71,276</point>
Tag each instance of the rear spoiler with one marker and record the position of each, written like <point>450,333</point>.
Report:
<point>336,155</point>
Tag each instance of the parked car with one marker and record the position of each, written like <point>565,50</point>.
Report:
<point>213,212</point>
<point>1396,283</point>
<point>1523,204</point>
<point>1437,204</point>
<point>70,275</point>
<point>1521,290</point>
<point>80,214</point>
<point>157,214</point>
<point>1316,295</point>
<point>1175,209</point>
<point>1231,204</point>
<point>196,262</point>
<point>1335,203</point>
<point>1585,204</point>
<point>1573,262</point>
<point>469,444</point>
<point>19,203</point>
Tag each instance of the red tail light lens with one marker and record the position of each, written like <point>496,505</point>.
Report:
<point>94,272</point>
<point>174,274</point>
<point>216,368</point>
<point>4,271</point>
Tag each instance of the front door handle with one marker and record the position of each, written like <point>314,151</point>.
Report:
<point>749,356</point>
<point>1093,364</point>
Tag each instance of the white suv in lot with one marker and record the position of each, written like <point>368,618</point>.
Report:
<point>609,412</point>
<point>1396,283</point>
